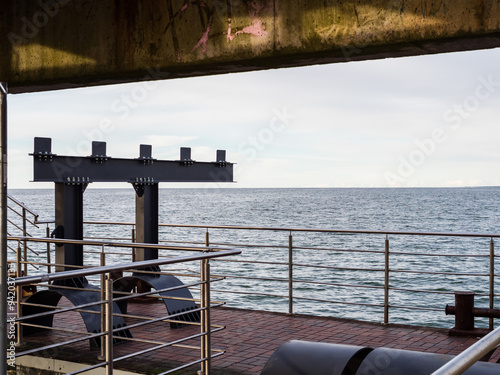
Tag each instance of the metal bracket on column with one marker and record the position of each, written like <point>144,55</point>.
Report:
<point>99,152</point>
<point>139,189</point>
<point>140,184</point>
<point>145,154</point>
<point>186,160</point>
<point>43,149</point>
<point>221,159</point>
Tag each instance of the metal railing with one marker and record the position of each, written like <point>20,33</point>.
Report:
<point>295,258</point>
<point>108,333</point>
<point>471,355</point>
<point>21,222</point>
<point>396,270</point>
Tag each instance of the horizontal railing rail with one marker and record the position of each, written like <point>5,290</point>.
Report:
<point>309,267</point>
<point>22,221</point>
<point>395,271</point>
<point>195,254</point>
<point>23,206</point>
<point>27,280</point>
<point>315,230</point>
<point>115,244</point>
<point>396,266</point>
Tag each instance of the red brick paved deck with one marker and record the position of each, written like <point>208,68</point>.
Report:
<point>250,338</point>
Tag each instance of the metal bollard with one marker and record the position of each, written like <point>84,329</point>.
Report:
<point>465,312</point>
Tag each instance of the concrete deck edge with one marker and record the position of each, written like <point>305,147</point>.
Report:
<point>28,362</point>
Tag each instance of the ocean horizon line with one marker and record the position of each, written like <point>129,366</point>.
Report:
<point>277,188</point>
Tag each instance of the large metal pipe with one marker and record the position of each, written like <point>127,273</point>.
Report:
<point>387,361</point>
<point>3,229</point>
<point>315,358</point>
<point>309,358</point>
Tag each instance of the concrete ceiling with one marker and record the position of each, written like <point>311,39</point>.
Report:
<point>51,44</point>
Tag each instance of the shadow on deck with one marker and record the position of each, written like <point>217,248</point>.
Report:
<point>249,339</point>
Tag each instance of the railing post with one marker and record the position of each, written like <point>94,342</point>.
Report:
<point>204,317</point>
<point>103,307</point>
<point>133,240</point>
<point>208,336</point>
<point>290,274</point>
<point>3,228</point>
<point>47,234</point>
<point>386,281</point>
<point>109,325</point>
<point>206,329</point>
<point>25,245</point>
<point>19,296</point>
<point>492,281</point>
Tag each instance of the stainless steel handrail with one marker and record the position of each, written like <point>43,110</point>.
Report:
<point>22,205</point>
<point>26,280</point>
<point>24,224</point>
<point>385,286</point>
<point>294,280</point>
<point>471,355</point>
<point>204,254</point>
<point>386,268</point>
<point>316,230</point>
<point>113,244</point>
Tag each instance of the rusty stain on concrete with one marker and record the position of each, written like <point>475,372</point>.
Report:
<point>256,11</point>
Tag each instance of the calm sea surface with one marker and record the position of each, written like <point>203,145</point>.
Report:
<point>472,210</point>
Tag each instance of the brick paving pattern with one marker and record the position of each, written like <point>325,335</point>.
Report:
<point>249,339</point>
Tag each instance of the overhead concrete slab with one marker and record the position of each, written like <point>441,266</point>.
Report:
<point>50,44</point>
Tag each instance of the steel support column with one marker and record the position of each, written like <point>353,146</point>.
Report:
<point>146,219</point>
<point>69,224</point>
<point>3,229</point>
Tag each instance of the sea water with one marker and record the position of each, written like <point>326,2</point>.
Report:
<point>457,210</point>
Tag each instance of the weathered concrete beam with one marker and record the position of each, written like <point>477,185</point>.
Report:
<point>48,44</point>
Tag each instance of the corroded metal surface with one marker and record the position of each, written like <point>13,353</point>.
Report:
<point>64,43</point>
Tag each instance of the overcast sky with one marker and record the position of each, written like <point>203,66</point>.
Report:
<point>420,121</point>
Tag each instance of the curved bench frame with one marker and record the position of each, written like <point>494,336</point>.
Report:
<point>180,301</point>
<point>50,299</point>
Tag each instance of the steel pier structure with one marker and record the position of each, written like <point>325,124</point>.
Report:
<point>71,176</point>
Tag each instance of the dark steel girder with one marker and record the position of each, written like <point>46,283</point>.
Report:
<point>99,167</point>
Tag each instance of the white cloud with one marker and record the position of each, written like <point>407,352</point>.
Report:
<point>163,140</point>
<point>351,122</point>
